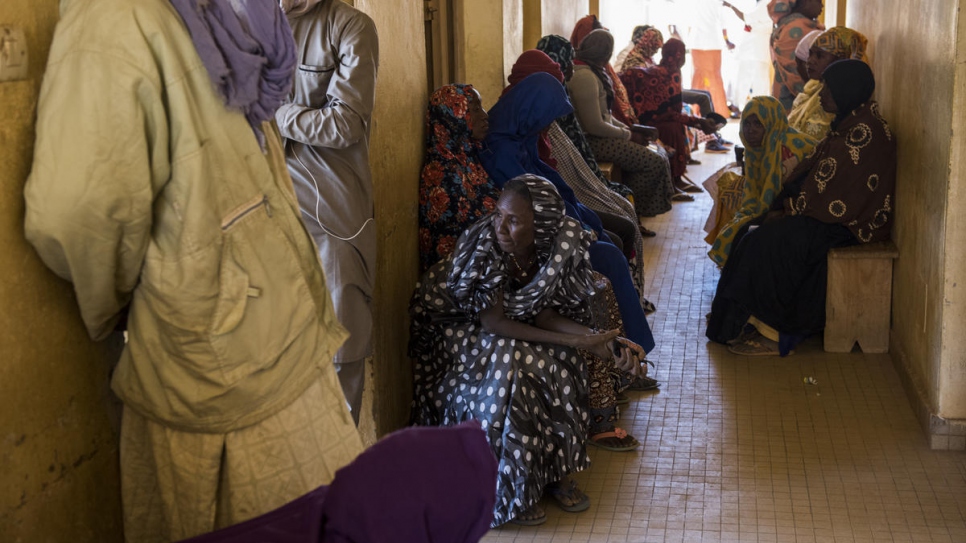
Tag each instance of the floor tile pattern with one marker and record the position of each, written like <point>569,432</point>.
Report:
<point>744,449</point>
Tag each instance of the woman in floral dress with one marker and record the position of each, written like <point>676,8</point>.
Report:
<point>454,189</point>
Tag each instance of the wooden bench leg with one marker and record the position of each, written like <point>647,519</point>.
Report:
<point>858,305</point>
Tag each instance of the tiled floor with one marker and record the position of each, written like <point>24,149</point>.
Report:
<point>742,449</point>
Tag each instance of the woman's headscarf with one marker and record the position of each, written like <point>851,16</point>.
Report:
<point>843,43</point>
<point>801,50</point>
<point>850,178</point>
<point>477,273</point>
<point>531,62</point>
<point>645,47</point>
<point>807,114</point>
<point>617,100</point>
<point>516,122</point>
<point>559,49</point>
<point>451,165</point>
<point>764,168</point>
<point>595,51</point>
<point>851,83</point>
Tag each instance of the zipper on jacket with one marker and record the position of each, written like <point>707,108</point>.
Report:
<point>246,209</point>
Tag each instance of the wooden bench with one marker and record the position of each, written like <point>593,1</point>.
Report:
<point>858,303</point>
<point>612,171</point>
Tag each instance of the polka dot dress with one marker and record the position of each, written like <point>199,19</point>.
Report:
<point>531,398</point>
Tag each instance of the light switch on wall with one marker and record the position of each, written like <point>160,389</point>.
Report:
<point>13,54</point>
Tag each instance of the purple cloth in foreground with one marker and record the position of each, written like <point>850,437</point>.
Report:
<point>416,485</point>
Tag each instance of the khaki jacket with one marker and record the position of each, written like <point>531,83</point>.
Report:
<point>146,191</point>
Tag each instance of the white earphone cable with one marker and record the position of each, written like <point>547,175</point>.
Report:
<point>318,201</point>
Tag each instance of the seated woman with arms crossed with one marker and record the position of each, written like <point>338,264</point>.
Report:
<point>771,294</point>
<point>498,331</point>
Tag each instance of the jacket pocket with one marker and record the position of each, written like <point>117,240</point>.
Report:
<point>264,303</point>
<point>312,84</point>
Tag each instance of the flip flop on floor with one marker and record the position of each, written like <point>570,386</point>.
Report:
<point>622,399</point>
<point>693,188</point>
<point>682,197</point>
<point>646,232</point>
<point>536,517</point>
<point>567,490</point>
<point>756,346</point>
<point>624,441</point>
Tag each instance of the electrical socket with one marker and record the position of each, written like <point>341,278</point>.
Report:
<point>13,54</point>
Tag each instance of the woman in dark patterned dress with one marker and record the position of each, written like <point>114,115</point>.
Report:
<point>497,335</point>
<point>454,189</point>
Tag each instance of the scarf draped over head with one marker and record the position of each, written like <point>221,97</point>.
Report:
<point>559,49</point>
<point>476,274</point>
<point>595,51</point>
<point>850,178</point>
<point>656,91</point>
<point>801,50</point>
<point>766,166</point>
<point>451,168</point>
<point>807,115</point>
<point>790,28</point>
<point>645,47</point>
<point>584,26</point>
<point>531,62</point>
<point>851,83</point>
<point>617,100</point>
<point>516,122</point>
<point>843,43</point>
<point>248,51</point>
<point>297,8</point>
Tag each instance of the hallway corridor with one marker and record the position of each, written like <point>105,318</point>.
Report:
<point>741,449</point>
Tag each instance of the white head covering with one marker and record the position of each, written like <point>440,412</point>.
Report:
<point>296,8</point>
<point>801,52</point>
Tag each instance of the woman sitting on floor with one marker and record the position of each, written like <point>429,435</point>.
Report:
<point>500,334</point>
<point>454,188</point>
<point>517,120</point>
<point>656,96</point>
<point>771,294</point>
<point>644,170</point>
<point>772,151</point>
<point>836,43</point>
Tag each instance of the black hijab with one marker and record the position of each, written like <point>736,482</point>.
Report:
<point>851,83</point>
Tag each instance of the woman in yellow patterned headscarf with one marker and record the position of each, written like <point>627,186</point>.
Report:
<point>836,43</point>
<point>772,149</point>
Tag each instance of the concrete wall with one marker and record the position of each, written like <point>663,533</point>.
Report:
<point>58,445</point>
<point>918,88</point>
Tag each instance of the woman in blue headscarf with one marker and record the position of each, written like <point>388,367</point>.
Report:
<point>515,125</point>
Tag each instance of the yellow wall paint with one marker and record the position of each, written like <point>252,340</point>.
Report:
<point>58,445</point>
<point>396,158</point>
<point>916,87</point>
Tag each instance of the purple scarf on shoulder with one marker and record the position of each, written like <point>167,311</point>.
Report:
<point>248,50</point>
